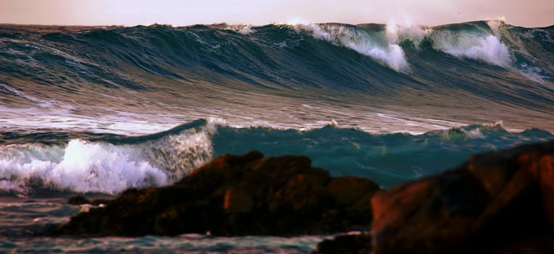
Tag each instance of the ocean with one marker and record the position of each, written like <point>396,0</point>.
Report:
<point>97,110</point>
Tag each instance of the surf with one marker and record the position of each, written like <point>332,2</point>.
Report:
<point>480,72</point>
<point>94,109</point>
<point>110,164</point>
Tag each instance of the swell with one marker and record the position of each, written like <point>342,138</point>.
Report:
<point>112,163</point>
<point>71,97</point>
<point>480,71</point>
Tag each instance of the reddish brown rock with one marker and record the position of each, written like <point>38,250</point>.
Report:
<point>497,202</point>
<point>236,195</point>
<point>348,189</point>
<point>355,195</point>
<point>237,201</point>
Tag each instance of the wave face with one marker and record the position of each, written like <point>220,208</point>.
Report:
<point>388,102</point>
<point>380,78</point>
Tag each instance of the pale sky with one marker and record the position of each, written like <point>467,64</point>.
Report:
<point>528,13</point>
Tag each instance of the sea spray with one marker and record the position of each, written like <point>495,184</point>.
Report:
<point>369,44</point>
<point>486,48</point>
<point>107,165</point>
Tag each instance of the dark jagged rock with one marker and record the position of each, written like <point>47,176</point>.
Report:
<point>346,244</point>
<point>236,195</point>
<point>498,202</point>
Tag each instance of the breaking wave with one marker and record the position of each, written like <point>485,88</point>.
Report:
<point>76,102</point>
<point>110,164</point>
<point>105,164</point>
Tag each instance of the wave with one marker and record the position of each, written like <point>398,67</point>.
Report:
<point>107,163</point>
<point>492,42</point>
<point>493,70</point>
<point>488,42</point>
<point>77,103</point>
<point>103,163</point>
<point>484,44</point>
<point>376,45</point>
<point>382,43</point>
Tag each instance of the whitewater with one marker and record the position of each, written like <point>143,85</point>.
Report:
<point>98,110</point>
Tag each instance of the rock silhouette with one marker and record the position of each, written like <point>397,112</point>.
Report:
<point>236,195</point>
<point>497,202</point>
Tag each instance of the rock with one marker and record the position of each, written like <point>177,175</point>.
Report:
<point>348,189</point>
<point>542,244</point>
<point>81,200</point>
<point>355,195</point>
<point>237,201</point>
<point>300,193</point>
<point>236,195</point>
<point>497,202</point>
<point>345,244</point>
<point>78,200</point>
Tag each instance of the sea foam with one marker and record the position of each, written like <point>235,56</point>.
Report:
<point>481,47</point>
<point>104,167</point>
<point>374,45</point>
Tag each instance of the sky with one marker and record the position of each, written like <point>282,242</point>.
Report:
<point>527,13</point>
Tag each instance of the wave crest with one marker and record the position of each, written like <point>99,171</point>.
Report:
<point>373,45</point>
<point>485,48</point>
<point>107,166</point>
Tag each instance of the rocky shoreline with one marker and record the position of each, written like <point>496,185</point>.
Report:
<point>496,202</point>
<point>235,196</point>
